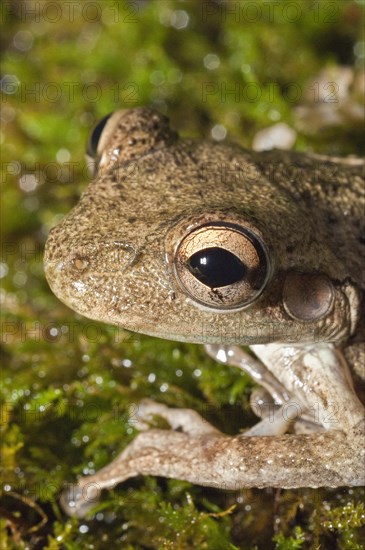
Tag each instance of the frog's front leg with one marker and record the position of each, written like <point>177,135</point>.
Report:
<point>238,357</point>
<point>230,463</point>
<point>190,422</point>
<point>207,457</point>
<point>272,402</point>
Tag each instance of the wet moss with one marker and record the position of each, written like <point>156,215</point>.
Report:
<point>70,386</point>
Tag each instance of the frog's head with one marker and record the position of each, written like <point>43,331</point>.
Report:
<point>190,241</point>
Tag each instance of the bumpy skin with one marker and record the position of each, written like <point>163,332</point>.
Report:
<point>111,259</point>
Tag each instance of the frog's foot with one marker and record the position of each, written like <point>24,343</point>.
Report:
<point>182,420</point>
<point>236,356</point>
<point>276,420</point>
<point>78,499</point>
<point>272,403</point>
<point>331,459</point>
<point>262,404</point>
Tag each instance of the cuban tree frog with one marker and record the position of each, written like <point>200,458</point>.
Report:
<point>210,243</point>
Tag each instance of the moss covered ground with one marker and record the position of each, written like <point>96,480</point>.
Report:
<point>70,386</point>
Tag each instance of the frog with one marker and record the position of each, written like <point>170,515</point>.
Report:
<point>258,256</point>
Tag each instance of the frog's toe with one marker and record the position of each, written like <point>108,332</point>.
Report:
<point>262,404</point>
<point>147,409</point>
<point>182,420</point>
<point>77,501</point>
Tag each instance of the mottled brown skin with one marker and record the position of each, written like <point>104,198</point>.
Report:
<point>111,259</point>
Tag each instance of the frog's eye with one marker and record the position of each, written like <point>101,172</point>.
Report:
<point>93,142</point>
<point>224,266</point>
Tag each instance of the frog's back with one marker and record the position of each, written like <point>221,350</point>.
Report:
<point>332,190</point>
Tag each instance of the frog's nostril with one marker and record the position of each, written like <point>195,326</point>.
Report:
<point>81,263</point>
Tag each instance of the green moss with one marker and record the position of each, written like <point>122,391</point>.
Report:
<point>346,521</point>
<point>290,543</point>
<point>70,386</point>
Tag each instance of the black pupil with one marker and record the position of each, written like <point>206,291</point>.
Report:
<point>92,145</point>
<point>216,267</point>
